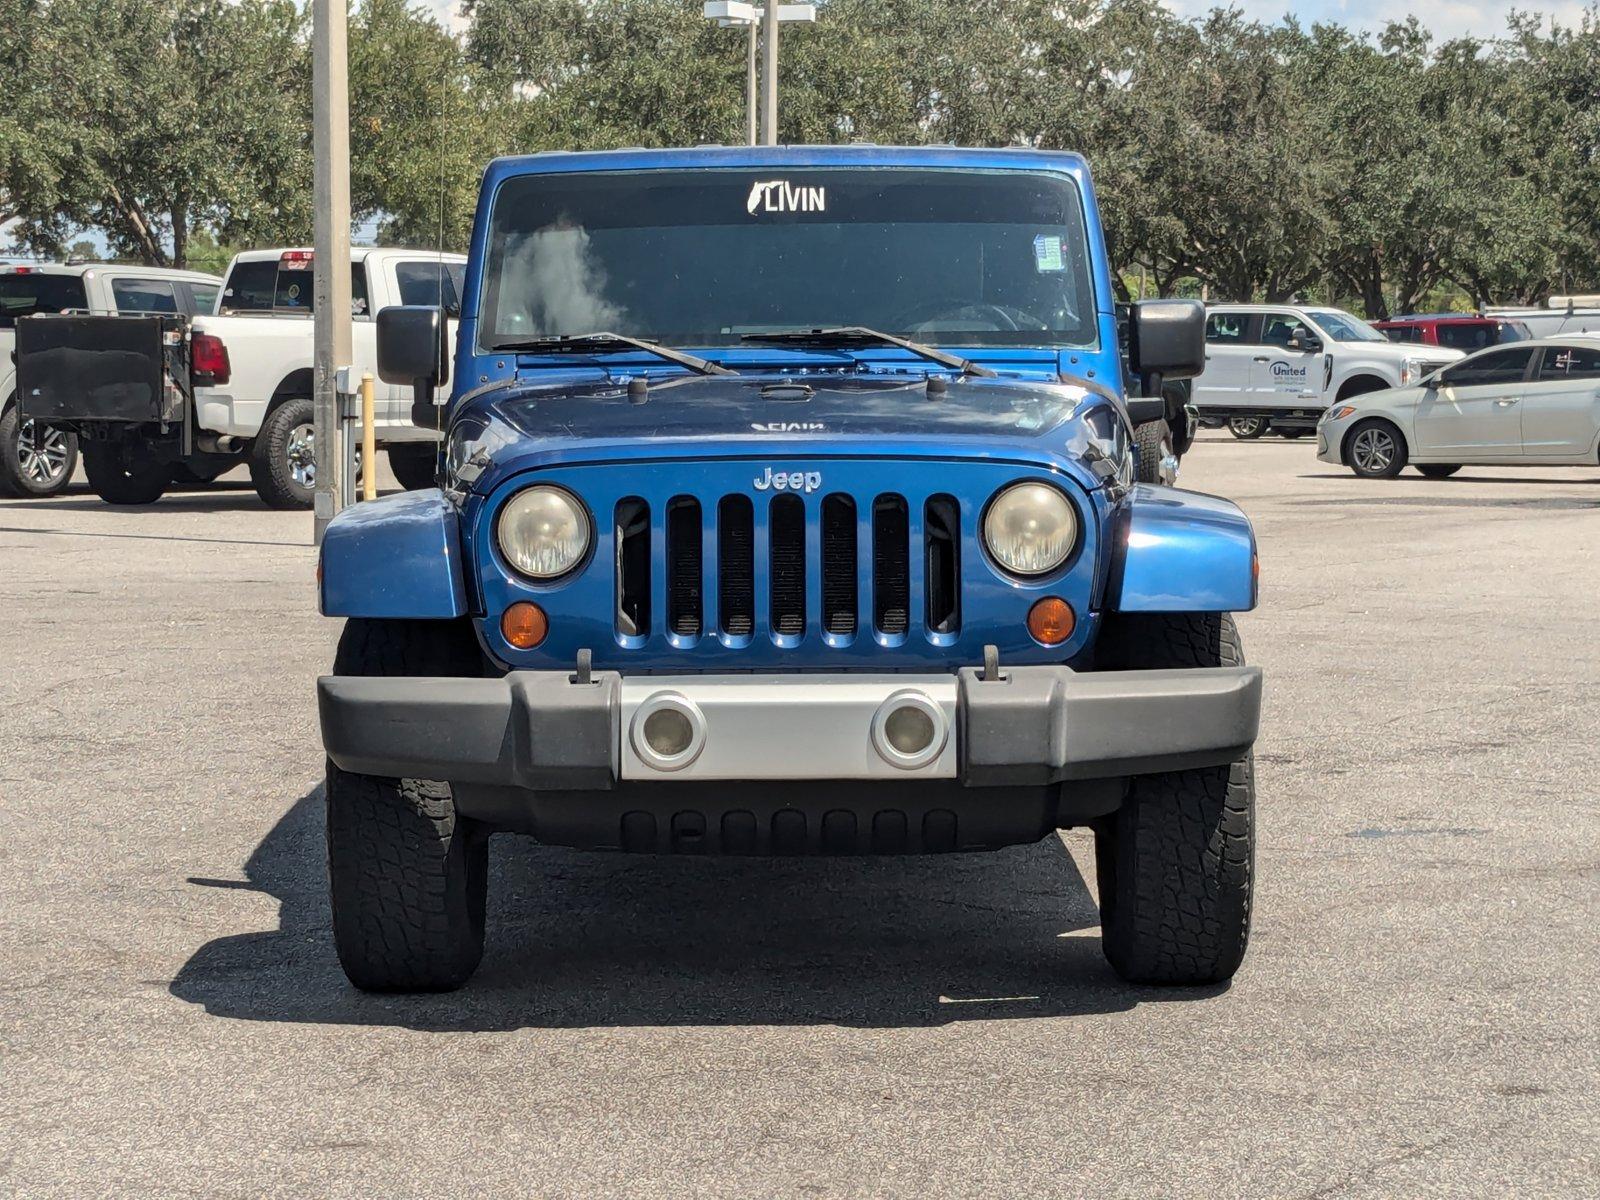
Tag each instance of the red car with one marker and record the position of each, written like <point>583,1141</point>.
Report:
<point>1459,331</point>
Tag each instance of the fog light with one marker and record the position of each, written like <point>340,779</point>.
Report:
<point>524,625</point>
<point>668,731</point>
<point>909,730</point>
<point>1051,621</point>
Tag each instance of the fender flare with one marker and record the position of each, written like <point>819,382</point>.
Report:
<point>1179,551</point>
<point>398,556</point>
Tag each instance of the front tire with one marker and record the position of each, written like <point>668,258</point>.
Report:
<point>407,877</point>
<point>36,460</point>
<point>407,874</point>
<point>1247,429</point>
<point>1375,449</point>
<point>1438,470</point>
<point>283,463</point>
<point>1158,460</point>
<point>1176,863</point>
<point>414,464</point>
<point>120,473</point>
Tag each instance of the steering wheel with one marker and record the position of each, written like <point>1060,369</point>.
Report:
<point>969,314</point>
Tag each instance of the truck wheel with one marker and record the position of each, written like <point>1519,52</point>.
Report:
<point>1438,470</point>
<point>1157,461</point>
<point>407,874</point>
<point>1176,863</point>
<point>1247,429</point>
<point>123,474</point>
<point>414,464</point>
<point>1375,449</point>
<point>35,459</point>
<point>283,459</point>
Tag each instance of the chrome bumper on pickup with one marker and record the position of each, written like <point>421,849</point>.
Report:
<point>544,730</point>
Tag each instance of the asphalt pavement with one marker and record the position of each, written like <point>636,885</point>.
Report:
<point>1416,1016</point>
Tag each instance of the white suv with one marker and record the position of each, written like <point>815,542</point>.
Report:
<point>1282,365</point>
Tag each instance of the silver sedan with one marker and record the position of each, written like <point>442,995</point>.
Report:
<point>1529,404</point>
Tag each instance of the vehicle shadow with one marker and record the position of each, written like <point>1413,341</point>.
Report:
<point>1456,481</point>
<point>1541,503</point>
<point>586,940</point>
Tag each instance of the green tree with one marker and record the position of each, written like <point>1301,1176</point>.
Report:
<point>145,121</point>
<point>424,119</point>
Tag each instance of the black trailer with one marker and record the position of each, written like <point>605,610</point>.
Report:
<point>125,386</point>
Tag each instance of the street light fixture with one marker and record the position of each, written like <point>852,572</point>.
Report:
<point>752,17</point>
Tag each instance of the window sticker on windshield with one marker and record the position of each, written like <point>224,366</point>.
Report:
<point>1047,253</point>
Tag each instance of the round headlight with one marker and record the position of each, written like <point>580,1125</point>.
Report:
<point>543,532</point>
<point>1031,528</point>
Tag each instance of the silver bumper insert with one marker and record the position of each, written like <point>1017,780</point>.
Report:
<point>789,727</point>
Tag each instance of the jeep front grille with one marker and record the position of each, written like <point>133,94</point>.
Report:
<point>797,543</point>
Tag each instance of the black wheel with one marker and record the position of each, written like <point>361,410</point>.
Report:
<point>35,459</point>
<point>407,874</point>
<point>1291,433</point>
<point>1375,449</point>
<point>123,473</point>
<point>283,459</point>
<point>1156,458</point>
<point>1438,470</point>
<point>413,464</point>
<point>1247,429</point>
<point>1176,863</point>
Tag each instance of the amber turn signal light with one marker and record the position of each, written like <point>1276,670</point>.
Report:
<point>1051,621</point>
<point>524,625</point>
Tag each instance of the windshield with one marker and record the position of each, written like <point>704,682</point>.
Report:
<point>1343,327</point>
<point>698,258</point>
<point>1468,335</point>
<point>36,292</point>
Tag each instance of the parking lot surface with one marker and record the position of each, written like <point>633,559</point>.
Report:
<point>1417,1014</point>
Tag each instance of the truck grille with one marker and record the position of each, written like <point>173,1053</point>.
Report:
<point>767,549</point>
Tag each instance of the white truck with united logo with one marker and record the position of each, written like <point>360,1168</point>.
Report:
<point>1277,367</point>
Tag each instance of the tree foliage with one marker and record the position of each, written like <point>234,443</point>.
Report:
<point>1251,159</point>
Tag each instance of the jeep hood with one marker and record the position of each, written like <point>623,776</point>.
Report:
<point>781,414</point>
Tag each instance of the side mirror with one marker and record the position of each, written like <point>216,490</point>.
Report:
<point>1166,340</point>
<point>414,351</point>
<point>1146,408</point>
<point>1304,340</point>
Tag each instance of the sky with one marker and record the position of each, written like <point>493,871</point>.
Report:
<point>1444,18</point>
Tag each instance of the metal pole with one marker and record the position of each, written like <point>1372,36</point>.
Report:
<point>369,440</point>
<point>769,75</point>
<point>330,115</point>
<point>750,85</point>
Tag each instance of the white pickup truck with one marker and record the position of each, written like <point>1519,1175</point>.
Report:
<point>37,458</point>
<point>1282,365</point>
<point>263,320</point>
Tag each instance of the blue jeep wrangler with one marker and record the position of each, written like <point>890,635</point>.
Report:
<point>787,506</point>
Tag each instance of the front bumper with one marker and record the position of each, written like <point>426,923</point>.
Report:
<point>536,730</point>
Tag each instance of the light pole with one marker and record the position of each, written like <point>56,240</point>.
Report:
<point>754,17</point>
<point>330,285</point>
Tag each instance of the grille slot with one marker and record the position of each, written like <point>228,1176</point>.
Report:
<point>736,587</point>
<point>633,567</point>
<point>942,581</point>
<point>683,566</point>
<point>839,564</point>
<point>787,542</point>
<point>891,565</point>
<point>831,565</point>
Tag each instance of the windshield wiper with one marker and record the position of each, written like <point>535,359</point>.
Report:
<point>859,335</point>
<point>579,342</point>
